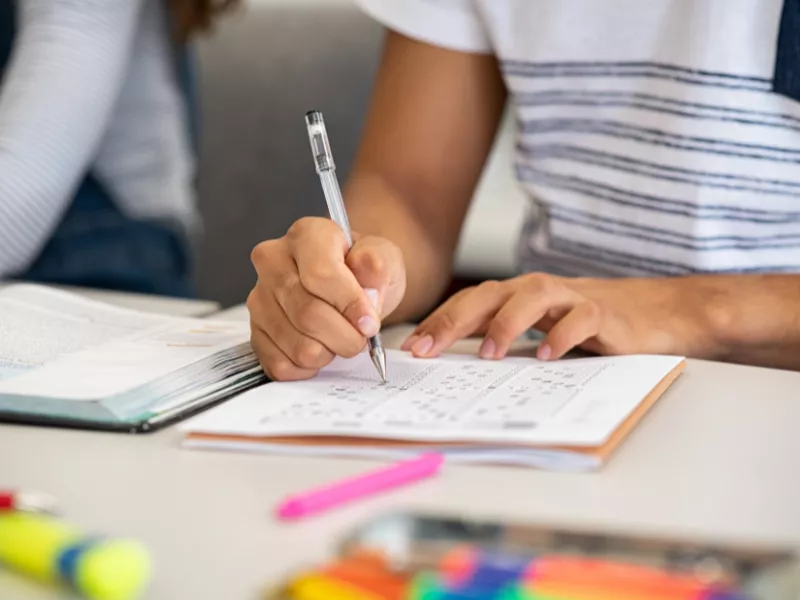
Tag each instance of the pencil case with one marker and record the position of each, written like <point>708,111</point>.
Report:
<point>428,557</point>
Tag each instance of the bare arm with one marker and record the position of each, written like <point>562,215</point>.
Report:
<point>431,125</point>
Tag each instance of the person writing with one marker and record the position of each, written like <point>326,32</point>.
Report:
<point>96,142</point>
<point>658,143</point>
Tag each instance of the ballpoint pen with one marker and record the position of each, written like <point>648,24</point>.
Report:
<point>326,169</point>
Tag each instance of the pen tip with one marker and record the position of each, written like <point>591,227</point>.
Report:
<point>379,360</point>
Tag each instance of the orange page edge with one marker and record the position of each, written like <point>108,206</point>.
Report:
<point>602,452</point>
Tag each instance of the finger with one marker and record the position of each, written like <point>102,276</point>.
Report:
<point>319,248</point>
<point>580,324</point>
<point>459,317</point>
<point>268,316</point>
<point>379,268</point>
<point>275,363</point>
<point>410,341</point>
<point>520,312</point>
<point>419,330</point>
<point>305,351</point>
<point>312,319</point>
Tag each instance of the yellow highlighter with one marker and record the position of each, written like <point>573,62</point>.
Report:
<point>46,549</point>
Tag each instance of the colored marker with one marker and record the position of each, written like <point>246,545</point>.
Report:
<point>469,566</point>
<point>351,490</point>
<point>600,574</point>
<point>49,550</point>
<point>26,501</point>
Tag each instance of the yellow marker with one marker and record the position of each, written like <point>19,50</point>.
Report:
<point>51,551</point>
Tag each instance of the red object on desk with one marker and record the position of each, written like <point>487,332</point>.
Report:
<point>27,501</point>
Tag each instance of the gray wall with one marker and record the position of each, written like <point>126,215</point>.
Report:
<point>259,75</point>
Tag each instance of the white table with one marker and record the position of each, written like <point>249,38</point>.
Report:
<point>718,456</point>
<point>178,307</point>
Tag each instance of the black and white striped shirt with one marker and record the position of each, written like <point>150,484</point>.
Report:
<point>657,137</point>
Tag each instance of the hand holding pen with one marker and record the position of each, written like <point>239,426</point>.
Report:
<point>318,297</point>
<point>326,169</point>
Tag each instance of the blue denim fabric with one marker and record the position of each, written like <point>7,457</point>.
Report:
<point>786,79</point>
<point>96,245</point>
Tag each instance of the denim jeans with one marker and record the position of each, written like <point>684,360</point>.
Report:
<point>97,246</point>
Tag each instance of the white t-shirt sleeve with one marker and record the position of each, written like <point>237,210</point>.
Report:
<point>452,24</point>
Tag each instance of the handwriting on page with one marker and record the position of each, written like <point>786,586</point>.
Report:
<point>437,394</point>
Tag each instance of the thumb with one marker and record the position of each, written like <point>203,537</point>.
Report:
<point>378,267</point>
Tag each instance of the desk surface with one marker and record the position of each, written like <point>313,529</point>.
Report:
<point>718,456</point>
<point>178,307</point>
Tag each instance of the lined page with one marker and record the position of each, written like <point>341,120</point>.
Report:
<point>453,398</point>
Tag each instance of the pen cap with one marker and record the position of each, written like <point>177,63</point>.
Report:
<point>320,146</point>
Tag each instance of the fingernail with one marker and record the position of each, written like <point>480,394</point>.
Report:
<point>368,326</point>
<point>409,342</point>
<point>488,349</point>
<point>544,352</point>
<point>374,297</point>
<point>422,346</point>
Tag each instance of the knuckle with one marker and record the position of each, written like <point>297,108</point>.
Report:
<point>541,283</point>
<point>490,287</point>
<point>594,312</point>
<point>374,263</point>
<point>262,252</point>
<point>310,354</point>
<point>301,227</point>
<point>252,301</point>
<point>317,276</point>
<point>308,316</point>
<point>504,328</point>
<point>285,282</point>
<point>443,323</point>
<point>281,369</point>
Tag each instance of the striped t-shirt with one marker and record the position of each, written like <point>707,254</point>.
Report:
<point>657,137</point>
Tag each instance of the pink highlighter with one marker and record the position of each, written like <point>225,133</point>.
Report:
<point>350,490</point>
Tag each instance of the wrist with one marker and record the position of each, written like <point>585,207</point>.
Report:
<point>726,315</point>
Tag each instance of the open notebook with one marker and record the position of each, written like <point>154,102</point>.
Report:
<point>565,415</point>
<point>66,360</point>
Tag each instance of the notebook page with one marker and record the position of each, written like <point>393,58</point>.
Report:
<point>453,398</point>
<point>541,458</point>
<point>38,325</point>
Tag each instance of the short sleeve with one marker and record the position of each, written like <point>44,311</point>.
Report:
<point>452,24</point>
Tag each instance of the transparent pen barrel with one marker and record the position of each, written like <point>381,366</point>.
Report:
<point>333,196</point>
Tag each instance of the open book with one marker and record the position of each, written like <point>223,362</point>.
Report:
<point>565,415</point>
<point>72,361</point>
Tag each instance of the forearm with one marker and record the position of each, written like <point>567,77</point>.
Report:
<point>755,319</point>
<point>375,208</point>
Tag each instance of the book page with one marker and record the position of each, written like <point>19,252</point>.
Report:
<point>453,398</point>
<point>38,325</point>
<point>127,363</point>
